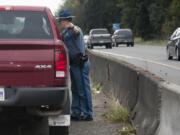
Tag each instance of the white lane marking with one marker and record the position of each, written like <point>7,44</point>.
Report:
<point>137,58</point>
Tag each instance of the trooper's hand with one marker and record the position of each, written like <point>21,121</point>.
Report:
<point>75,31</point>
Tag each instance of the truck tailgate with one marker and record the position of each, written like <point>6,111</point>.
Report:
<point>26,63</point>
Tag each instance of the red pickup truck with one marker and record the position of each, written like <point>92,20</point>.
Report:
<point>34,77</point>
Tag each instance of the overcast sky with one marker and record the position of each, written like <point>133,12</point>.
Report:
<point>52,4</point>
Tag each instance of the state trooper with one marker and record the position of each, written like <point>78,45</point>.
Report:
<point>79,68</point>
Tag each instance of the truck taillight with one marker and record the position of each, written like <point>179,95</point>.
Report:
<point>3,8</point>
<point>61,62</point>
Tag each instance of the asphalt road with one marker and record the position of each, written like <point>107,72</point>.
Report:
<point>151,58</point>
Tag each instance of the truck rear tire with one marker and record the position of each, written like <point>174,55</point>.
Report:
<point>109,46</point>
<point>91,46</point>
<point>132,44</point>
<point>106,46</point>
<point>58,130</point>
<point>169,57</point>
<point>178,54</point>
<point>39,127</point>
<point>117,44</point>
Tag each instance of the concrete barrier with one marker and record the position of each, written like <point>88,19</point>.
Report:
<point>116,78</point>
<point>155,104</point>
<point>99,70</point>
<point>147,110</point>
<point>170,110</point>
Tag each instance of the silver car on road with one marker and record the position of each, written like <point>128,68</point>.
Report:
<point>100,37</point>
<point>123,36</point>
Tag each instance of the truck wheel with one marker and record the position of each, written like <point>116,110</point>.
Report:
<point>107,46</point>
<point>178,54</point>
<point>37,127</point>
<point>91,46</point>
<point>88,47</point>
<point>132,44</point>
<point>127,44</point>
<point>117,45</point>
<point>57,130</point>
<point>169,57</point>
<point>110,46</point>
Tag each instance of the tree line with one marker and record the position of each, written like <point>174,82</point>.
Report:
<point>149,19</point>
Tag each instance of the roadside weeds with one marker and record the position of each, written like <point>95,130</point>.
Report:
<point>116,113</point>
<point>97,88</point>
<point>120,114</point>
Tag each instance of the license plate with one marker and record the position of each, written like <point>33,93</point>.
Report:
<point>101,41</point>
<point>61,120</point>
<point>2,94</point>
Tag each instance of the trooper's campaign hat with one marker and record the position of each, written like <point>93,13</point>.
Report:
<point>65,15</point>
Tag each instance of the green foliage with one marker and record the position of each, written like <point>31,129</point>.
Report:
<point>149,19</point>
<point>119,114</point>
<point>173,18</point>
<point>97,88</point>
<point>116,112</point>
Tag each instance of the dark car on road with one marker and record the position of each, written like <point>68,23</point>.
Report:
<point>99,37</point>
<point>33,69</point>
<point>173,46</point>
<point>123,36</point>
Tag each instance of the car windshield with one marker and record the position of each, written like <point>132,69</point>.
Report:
<point>124,32</point>
<point>24,25</point>
<point>100,31</point>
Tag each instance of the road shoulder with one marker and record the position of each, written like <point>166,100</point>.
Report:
<point>99,126</point>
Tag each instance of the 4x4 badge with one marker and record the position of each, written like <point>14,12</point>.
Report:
<point>43,66</point>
